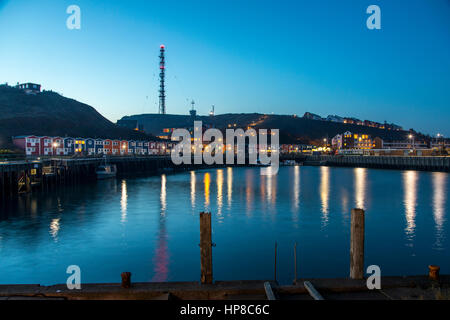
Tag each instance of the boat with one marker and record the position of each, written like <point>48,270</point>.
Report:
<point>315,162</point>
<point>288,163</point>
<point>106,171</point>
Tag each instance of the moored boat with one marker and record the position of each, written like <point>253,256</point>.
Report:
<point>106,171</point>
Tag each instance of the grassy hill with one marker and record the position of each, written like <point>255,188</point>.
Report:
<point>292,129</point>
<point>49,113</point>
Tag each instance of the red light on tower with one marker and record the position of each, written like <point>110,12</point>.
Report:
<point>162,46</point>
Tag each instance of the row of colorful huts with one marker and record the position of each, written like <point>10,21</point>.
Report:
<point>62,146</point>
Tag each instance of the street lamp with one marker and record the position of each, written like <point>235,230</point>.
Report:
<point>440,141</point>
<point>411,137</point>
<point>54,147</point>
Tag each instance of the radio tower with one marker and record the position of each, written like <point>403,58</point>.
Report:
<point>162,74</point>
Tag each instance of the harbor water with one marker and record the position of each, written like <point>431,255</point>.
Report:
<point>149,225</point>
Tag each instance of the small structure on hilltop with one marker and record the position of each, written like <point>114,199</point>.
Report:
<point>29,88</point>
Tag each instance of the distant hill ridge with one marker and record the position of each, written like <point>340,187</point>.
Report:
<point>49,113</point>
<point>292,129</point>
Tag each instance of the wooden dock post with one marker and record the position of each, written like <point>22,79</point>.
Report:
<point>295,263</point>
<point>126,280</point>
<point>206,248</point>
<point>357,244</point>
<point>433,273</point>
<point>275,264</point>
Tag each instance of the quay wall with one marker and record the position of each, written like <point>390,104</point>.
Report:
<point>382,162</point>
<point>29,175</point>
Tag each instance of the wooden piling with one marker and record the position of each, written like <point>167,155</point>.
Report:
<point>295,263</point>
<point>126,280</point>
<point>433,273</point>
<point>357,244</point>
<point>206,248</point>
<point>275,264</point>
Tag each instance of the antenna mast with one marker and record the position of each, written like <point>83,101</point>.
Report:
<point>162,75</point>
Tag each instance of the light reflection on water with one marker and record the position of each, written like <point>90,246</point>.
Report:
<point>207,181</point>
<point>193,183</point>
<point>439,197</point>
<point>360,187</point>
<point>161,256</point>
<point>324,192</point>
<point>219,191</point>
<point>157,237</point>
<point>229,186</point>
<point>123,202</point>
<point>410,201</point>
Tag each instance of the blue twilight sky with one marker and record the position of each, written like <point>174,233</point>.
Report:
<point>285,57</point>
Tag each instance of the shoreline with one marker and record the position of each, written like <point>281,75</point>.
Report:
<point>22,177</point>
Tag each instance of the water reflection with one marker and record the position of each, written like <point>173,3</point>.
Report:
<point>54,229</point>
<point>296,197</point>
<point>360,187</point>
<point>207,182</point>
<point>345,206</point>
<point>124,202</point>
<point>229,185</point>
<point>410,200</point>
<point>219,191</point>
<point>193,182</point>
<point>313,190</point>
<point>163,195</point>
<point>271,186</point>
<point>161,257</point>
<point>324,191</point>
<point>249,191</point>
<point>439,188</point>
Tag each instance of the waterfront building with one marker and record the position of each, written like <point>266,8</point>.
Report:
<point>80,146</point>
<point>169,147</point>
<point>161,146</point>
<point>31,144</point>
<point>58,146</point>
<point>115,149</point>
<point>404,144</point>
<point>131,147</point>
<point>152,148</point>
<point>284,148</point>
<point>46,148</point>
<point>69,146</point>
<point>349,140</point>
<point>99,146</point>
<point>139,147</point>
<point>440,143</point>
<point>107,146</point>
<point>90,146</point>
<point>337,142</point>
<point>145,147</point>
<point>123,147</point>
